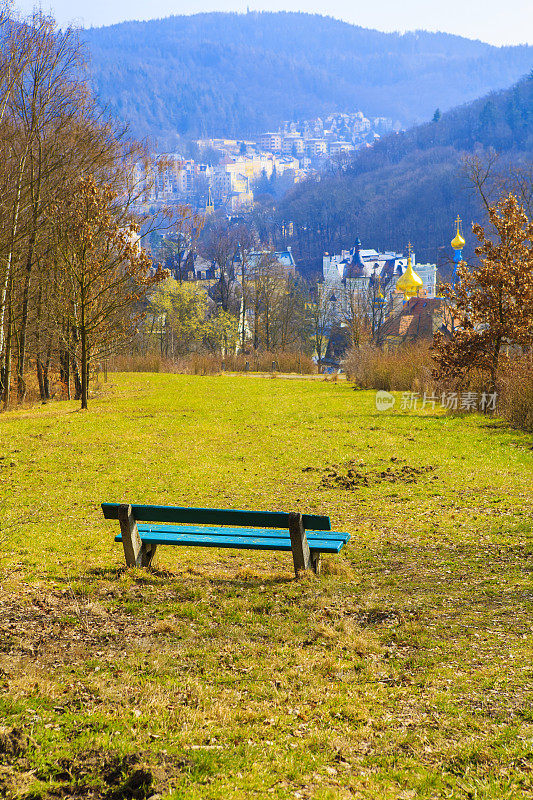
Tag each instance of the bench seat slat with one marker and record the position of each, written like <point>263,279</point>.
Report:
<point>238,542</point>
<point>255,533</point>
<point>217,516</point>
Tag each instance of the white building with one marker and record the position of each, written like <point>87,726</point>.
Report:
<point>292,143</point>
<point>316,147</point>
<point>282,260</point>
<point>340,147</point>
<point>271,142</point>
<point>354,270</point>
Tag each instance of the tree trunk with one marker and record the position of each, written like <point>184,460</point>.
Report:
<point>84,364</point>
<point>46,373</point>
<point>21,385</point>
<point>39,363</point>
<point>8,275</point>
<point>243,306</point>
<point>7,359</point>
<point>76,376</point>
<point>40,378</point>
<point>75,367</point>
<point>64,370</point>
<point>267,331</point>
<point>36,199</point>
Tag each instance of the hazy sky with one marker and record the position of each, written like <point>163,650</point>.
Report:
<point>495,21</point>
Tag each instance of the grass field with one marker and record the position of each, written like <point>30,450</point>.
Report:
<point>404,671</point>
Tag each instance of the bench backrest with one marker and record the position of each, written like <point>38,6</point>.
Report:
<point>217,516</point>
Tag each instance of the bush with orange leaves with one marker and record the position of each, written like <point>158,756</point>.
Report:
<point>492,302</point>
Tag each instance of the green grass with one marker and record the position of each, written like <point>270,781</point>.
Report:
<point>404,671</point>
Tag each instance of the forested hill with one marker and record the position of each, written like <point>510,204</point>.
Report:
<point>225,74</point>
<point>410,186</point>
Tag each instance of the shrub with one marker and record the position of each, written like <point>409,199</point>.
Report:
<point>409,368</point>
<point>515,389</point>
<point>212,364</point>
<point>138,362</point>
<point>208,364</point>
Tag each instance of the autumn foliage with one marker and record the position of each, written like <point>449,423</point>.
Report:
<point>490,308</point>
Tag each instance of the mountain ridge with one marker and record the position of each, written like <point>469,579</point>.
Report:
<point>229,74</point>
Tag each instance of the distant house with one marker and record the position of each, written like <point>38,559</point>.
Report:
<point>196,268</point>
<point>417,320</point>
<point>388,266</point>
<point>283,259</point>
<point>286,259</point>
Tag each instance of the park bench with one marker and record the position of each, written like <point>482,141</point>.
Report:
<point>305,535</point>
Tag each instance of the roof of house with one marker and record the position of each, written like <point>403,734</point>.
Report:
<point>284,258</point>
<point>415,319</point>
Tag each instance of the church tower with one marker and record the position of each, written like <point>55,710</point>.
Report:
<point>409,284</point>
<point>209,206</point>
<point>457,244</point>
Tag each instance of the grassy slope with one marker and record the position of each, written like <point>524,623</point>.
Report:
<point>402,672</point>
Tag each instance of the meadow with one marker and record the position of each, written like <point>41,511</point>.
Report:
<point>403,671</point>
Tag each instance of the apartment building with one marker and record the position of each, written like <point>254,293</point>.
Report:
<point>270,142</point>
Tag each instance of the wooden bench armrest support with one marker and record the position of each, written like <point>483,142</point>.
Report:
<point>302,556</point>
<point>136,552</point>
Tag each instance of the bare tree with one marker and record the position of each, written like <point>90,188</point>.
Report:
<point>107,273</point>
<point>491,176</point>
<point>181,240</point>
<point>52,141</point>
<point>247,245</point>
<point>321,316</point>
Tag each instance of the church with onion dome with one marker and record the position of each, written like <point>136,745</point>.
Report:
<point>457,243</point>
<point>419,317</point>
<point>398,295</point>
<point>363,272</point>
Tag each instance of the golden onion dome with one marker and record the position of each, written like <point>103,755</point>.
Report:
<point>409,283</point>
<point>458,243</point>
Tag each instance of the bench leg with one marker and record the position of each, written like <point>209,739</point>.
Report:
<point>147,554</point>
<point>131,541</point>
<point>301,554</point>
<point>316,561</point>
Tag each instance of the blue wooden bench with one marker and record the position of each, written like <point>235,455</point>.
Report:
<point>305,535</point>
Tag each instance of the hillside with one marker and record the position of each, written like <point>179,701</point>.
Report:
<point>410,186</point>
<point>222,74</point>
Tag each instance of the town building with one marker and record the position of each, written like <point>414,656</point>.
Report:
<point>354,271</point>
<point>316,147</point>
<point>279,260</point>
<point>293,144</point>
<point>341,147</point>
<point>270,142</point>
<point>418,318</point>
